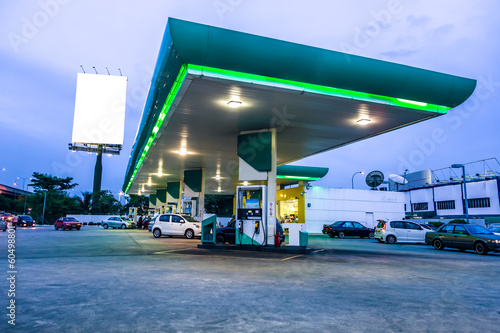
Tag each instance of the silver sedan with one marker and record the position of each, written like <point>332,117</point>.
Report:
<point>117,222</point>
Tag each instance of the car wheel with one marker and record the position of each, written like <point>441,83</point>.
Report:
<point>461,249</point>
<point>220,239</point>
<point>371,235</point>
<point>124,226</point>
<point>341,234</point>
<point>157,233</point>
<point>77,228</point>
<point>55,227</point>
<point>105,226</point>
<point>331,235</point>
<point>480,248</point>
<point>189,234</point>
<point>438,244</point>
<point>390,239</point>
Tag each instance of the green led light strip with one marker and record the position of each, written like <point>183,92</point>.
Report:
<point>313,88</point>
<point>298,177</point>
<point>163,114</point>
<point>273,82</point>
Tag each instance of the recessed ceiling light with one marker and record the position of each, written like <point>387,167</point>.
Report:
<point>245,183</point>
<point>363,121</point>
<point>217,177</point>
<point>234,104</point>
<point>183,151</point>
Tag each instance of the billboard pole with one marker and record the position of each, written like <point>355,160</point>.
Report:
<point>97,177</point>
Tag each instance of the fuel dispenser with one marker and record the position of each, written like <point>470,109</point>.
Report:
<point>251,213</point>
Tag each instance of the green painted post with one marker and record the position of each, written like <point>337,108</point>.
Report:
<point>97,177</point>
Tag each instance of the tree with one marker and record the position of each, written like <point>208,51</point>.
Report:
<point>86,201</point>
<point>105,203</point>
<point>57,201</point>
<point>220,205</point>
<point>42,181</point>
<point>10,205</point>
<point>139,201</point>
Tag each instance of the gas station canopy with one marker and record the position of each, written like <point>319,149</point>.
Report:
<point>212,84</point>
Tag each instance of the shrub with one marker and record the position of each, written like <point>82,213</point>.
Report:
<point>435,223</point>
<point>458,221</point>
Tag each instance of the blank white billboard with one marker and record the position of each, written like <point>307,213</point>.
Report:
<point>100,109</point>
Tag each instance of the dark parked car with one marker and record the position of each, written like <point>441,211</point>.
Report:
<point>464,237</point>
<point>348,228</point>
<point>227,234</point>
<point>24,221</point>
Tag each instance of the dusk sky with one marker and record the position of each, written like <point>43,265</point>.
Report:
<point>43,43</point>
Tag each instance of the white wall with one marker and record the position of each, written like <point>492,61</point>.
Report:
<point>332,204</point>
<point>475,190</point>
<point>90,218</point>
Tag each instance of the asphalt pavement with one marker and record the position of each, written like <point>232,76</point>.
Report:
<point>96,280</point>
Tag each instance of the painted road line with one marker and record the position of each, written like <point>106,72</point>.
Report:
<point>300,255</point>
<point>169,251</point>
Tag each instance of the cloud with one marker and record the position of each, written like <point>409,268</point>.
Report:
<point>418,21</point>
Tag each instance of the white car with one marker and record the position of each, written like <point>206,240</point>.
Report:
<point>117,222</point>
<point>176,225</point>
<point>400,231</point>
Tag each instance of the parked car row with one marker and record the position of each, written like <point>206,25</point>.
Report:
<point>8,219</point>
<point>453,235</point>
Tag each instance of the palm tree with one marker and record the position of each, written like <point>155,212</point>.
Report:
<point>86,201</point>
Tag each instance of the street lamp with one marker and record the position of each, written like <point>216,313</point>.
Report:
<point>458,166</point>
<point>25,194</point>
<point>24,179</point>
<point>352,179</point>
<point>44,200</point>
<point>409,191</point>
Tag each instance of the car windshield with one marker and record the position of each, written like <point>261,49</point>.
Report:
<point>26,217</point>
<point>380,224</point>
<point>337,223</point>
<point>189,218</point>
<point>69,219</point>
<point>477,229</point>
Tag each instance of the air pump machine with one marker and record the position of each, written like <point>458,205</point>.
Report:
<point>251,215</point>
